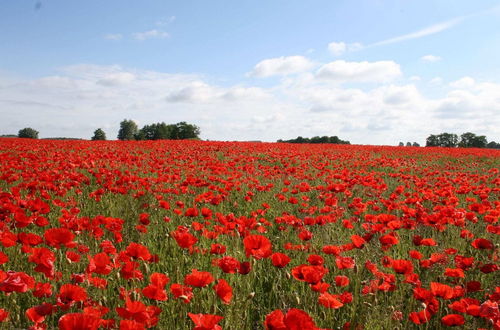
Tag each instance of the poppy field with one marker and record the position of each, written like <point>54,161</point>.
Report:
<point>234,235</point>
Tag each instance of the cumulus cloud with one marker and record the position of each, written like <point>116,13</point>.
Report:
<point>463,83</point>
<point>431,58</point>
<point>151,34</point>
<point>381,71</point>
<point>76,100</point>
<point>196,92</point>
<point>118,78</point>
<point>280,66</point>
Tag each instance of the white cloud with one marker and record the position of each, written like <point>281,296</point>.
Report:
<point>381,71</point>
<point>463,83</point>
<point>430,30</point>
<point>196,92</point>
<point>431,58</point>
<point>113,36</point>
<point>436,81</point>
<point>278,66</point>
<point>118,78</point>
<point>339,48</point>
<point>151,34</point>
<point>78,99</point>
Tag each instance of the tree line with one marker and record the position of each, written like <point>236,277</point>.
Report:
<point>157,131</point>
<point>316,139</point>
<point>466,140</point>
<point>182,130</point>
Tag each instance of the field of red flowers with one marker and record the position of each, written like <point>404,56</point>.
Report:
<point>212,235</point>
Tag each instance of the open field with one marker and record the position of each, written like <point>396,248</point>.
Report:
<point>151,234</point>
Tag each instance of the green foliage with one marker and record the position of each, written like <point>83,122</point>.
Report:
<point>467,140</point>
<point>317,139</point>
<point>162,131</point>
<point>28,133</point>
<point>99,135</point>
<point>448,140</point>
<point>471,140</point>
<point>493,145</point>
<point>128,130</point>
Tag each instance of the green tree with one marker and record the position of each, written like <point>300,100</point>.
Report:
<point>471,140</point>
<point>99,135</point>
<point>493,145</point>
<point>448,140</point>
<point>187,131</point>
<point>415,144</point>
<point>432,141</point>
<point>28,133</point>
<point>128,130</point>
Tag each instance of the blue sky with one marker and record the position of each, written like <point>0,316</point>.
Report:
<point>372,71</point>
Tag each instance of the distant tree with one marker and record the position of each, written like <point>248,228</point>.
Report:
<point>187,131</point>
<point>448,140</point>
<point>493,145</point>
<point>408,144</point>
<point>401,144</point>
<point>316,139</point>
<point>415,144</point>
<point>99,135</point>
<point>432,141</point>
<point>28,132</point>
<point>471,140</point>
<point>128,130</point>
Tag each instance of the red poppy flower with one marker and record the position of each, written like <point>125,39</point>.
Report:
<point>224,291</point>
<point>309,274</point>
<point>131,325</point>
<point>184,239</point>
<point>79,321</point>
<point>182,292</point>
<point>156,289</point>
<point>44,258</point>
<point>3,315</point>
<point>100,264</point>
<point>198,279</point>
<point>56,237</point>
<point>420,317</point>
<point>16,282</point>
<point>37,314</point>
<point>483,244</point>
<point>341,280</point>
<point>344,262</point>
<point>245,268</point>
<point>402,266</point>
<point>454,272</point>
<point>139,312</point>
<point>138,251</point>
<point>70,294</point>
<point>441,290</point>
<point>358,241</point>
<point>257,246</point>
<point>451,320</point>
<point>205,321</point>
<point>330,300</point>
<point>280,260</point>
<point>229,264</point>
<point>315,260</point>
